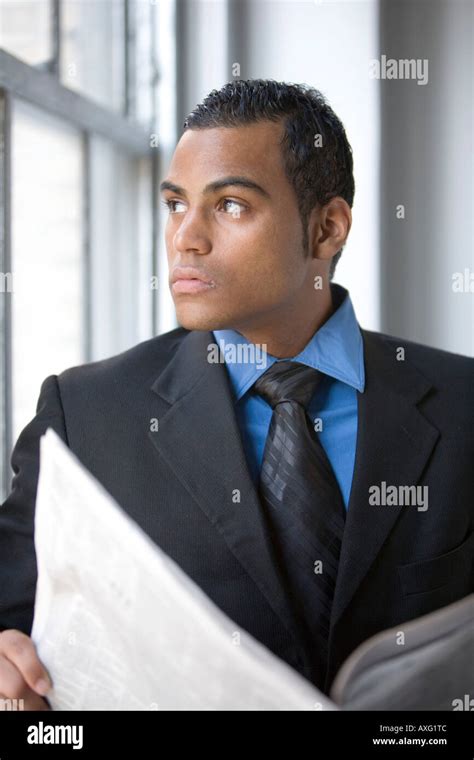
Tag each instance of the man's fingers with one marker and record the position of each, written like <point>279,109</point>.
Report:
<point>19,649</point>
<point>31,701</point>
<point>14,687</point>
<point>12,683</point>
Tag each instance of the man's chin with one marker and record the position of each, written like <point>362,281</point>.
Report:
<point>200,321</point>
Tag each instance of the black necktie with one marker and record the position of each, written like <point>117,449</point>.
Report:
<point>303,505</point>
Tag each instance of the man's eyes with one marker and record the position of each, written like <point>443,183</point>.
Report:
<point>171,205</point>
<point>237,207</point>
<point>234,207</point>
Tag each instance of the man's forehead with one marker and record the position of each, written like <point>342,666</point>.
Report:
<point>247,148</point>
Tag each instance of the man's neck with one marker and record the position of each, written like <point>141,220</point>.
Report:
<point>285,335</point>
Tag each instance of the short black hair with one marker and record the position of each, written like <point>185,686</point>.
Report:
<point>316,173</point>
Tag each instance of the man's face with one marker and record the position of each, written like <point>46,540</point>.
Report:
<point>249,242</point>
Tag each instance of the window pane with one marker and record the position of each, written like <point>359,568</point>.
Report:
<point>121,241</point>
<point>92,49</point>
<point>25,29</point>
<point>144,61</point>
<point>47,262</point>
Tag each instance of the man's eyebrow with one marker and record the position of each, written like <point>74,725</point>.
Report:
<point>219,184</point>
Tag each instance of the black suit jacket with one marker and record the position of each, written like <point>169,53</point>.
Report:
<point>188,486</point>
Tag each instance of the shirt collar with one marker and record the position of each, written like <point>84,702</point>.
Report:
<point>336,349</point>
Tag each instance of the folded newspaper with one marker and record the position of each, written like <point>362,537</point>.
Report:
<point>120,626</point>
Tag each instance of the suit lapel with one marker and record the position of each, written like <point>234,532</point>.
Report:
<point>199,439</point>
<point>394,442</point>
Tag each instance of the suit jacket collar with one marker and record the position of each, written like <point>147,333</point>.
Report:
<point>201,419</point>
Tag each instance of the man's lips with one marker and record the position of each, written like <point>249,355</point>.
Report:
<point>190,280</point>
<point>191,286</point>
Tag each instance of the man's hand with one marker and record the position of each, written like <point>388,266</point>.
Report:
<point>22,675</point>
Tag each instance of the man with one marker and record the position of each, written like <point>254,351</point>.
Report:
<point>314,478</point>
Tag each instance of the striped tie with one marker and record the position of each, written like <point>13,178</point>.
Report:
<point>303,505</point>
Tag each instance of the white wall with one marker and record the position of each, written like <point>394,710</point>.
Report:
<point>427,148</point>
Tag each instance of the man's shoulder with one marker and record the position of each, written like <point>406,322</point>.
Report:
<point>435,363</point>
<point>135,365</point>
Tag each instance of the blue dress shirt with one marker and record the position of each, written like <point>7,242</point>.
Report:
<point>336,349</point>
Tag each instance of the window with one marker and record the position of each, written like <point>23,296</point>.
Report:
<point>78,173</point>
<point>47,183</point>
<point>92,56</point>
<point>25,29</point>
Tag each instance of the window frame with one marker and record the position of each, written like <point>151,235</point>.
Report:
<point>40,86</point>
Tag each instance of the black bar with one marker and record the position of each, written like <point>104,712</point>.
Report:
<point>447,735</point>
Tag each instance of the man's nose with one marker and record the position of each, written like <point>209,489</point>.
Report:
<point>193,233</point>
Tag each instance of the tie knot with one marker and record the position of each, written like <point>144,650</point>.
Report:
<point>288,381</point>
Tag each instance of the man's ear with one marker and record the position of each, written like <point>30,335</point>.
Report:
<point>328,228</point>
